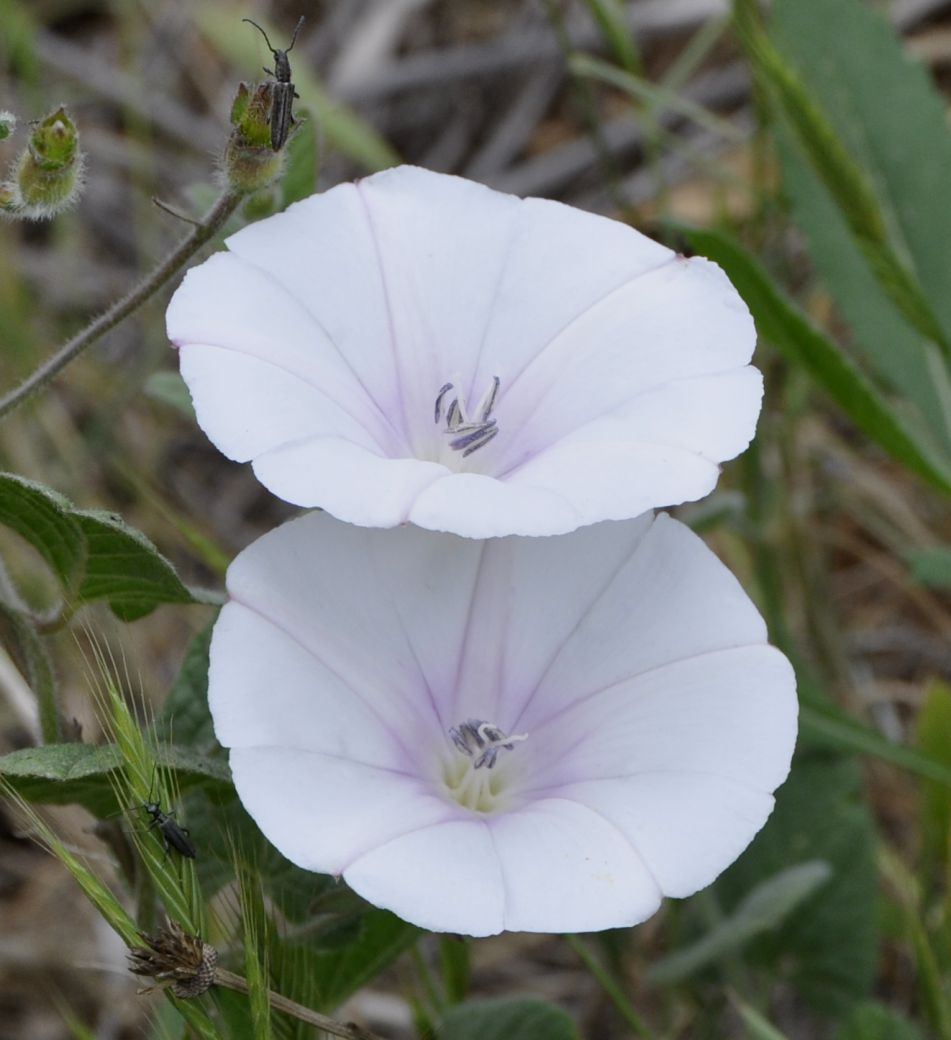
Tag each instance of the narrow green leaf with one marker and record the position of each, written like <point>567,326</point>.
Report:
<point>660,98</point>
<point>875,1022</point>
<point>507,1019</point>
<point>931,567</point>
<point>846,182</point>
<point>609,16</point>
<point>831,727</point>
<point>882,105</point>
<point>766,906</point>
<point>933,730</point>
<point>791,332</point>
<point>880,336</point>
<point>757,1026</point>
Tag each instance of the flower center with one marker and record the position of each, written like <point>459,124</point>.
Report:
<point>471,778</point>
<point>469,433</point>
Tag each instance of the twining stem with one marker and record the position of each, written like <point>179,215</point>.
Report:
<point>204,230</point>
<point>345,1030</point>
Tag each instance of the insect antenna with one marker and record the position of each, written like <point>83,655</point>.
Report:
<point>300,22</point>
<point>264,34</point>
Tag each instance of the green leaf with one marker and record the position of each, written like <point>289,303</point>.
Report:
<point>303,160</point>
<point>43,518</point>
<point>845,179</point>
<point>768,904</point>
<point>340,972</point>
<point>169,388</point>
<point>874,1022</point>
<point>185,719</point>
<point>757,1026</point>
<point>931,567</point>
<point>933,727</point>
<point>788,329</point>
<point>883,107</point>
<point>124,568</point>
<point>94,555</point>
<point>82,774</point>
<point>827,949</point>
<point>507,1019</point>
<point>611,20</point>
<point>880,335</point>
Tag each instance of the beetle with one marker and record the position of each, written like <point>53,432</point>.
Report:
<point>282,118</point>
<point>174,835</point>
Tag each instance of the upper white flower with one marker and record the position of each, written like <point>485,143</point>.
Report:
<point>417,348</point>
<point>528,734</point>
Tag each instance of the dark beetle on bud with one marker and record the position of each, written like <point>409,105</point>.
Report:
<point>282,118</point>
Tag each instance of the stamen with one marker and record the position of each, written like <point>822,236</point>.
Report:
<point>482,741</point>
<point>475,433</point>
<point>443,390</point>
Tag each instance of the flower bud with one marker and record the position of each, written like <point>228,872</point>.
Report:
<point>8,122</point>
<point>49,171</point>
<point>249,161</point>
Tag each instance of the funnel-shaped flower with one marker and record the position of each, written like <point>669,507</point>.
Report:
<point>526,734</point>
<point>415,347</point>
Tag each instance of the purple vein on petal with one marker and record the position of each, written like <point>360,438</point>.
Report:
<point>311,652</point>
<point>394,349</point>
<point>600,593</point>
<point>316,320</point>
<point>361,422</point>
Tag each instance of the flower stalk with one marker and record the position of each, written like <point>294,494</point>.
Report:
<point>203,232</point>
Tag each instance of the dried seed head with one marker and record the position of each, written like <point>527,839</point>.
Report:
<point>173,957</point>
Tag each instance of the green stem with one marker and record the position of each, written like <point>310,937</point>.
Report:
<point>345,1030</point>
<point>610,987</point>
<point>222,209</point>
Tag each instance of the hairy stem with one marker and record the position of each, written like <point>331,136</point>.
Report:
<point>346,1030</point>
<point>204,231</point>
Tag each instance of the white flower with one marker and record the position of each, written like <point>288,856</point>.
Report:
<point>528,734</point>
<point>418,348</point>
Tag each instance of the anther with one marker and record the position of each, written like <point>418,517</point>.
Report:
<point>482,741</point>
<point>468,434</point>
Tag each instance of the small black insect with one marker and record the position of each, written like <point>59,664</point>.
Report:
<point>282,118</point>
<point>174,835</point>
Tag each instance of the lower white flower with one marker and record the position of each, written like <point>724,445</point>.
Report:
<point>525,734</point>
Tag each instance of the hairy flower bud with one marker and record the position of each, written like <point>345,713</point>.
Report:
<point>249,162</point>
<point>8,122</point>
<point>48,174</point>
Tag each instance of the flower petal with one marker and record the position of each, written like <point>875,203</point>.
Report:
<point>673,592</point>
<point>568,869</point>
<point>285,792</point>
<point>316,348</point>
<point>444,878</point>
<point>730,713</point>
<point>351,482</point>
<point>722,817</point>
